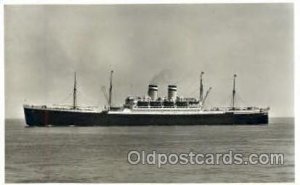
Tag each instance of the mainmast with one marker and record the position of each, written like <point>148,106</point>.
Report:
<point>201,88</point>
<point>233,91</point>
<point>75,92</point>
<point>110,89</point>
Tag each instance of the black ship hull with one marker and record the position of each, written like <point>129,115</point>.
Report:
<point>44,117</point>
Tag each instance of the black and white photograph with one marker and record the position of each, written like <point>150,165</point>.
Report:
<point>149,93</point>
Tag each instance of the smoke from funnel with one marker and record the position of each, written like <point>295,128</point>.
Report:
<point>163,77</point>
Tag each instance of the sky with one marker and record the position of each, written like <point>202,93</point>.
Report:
<point>143,44</point>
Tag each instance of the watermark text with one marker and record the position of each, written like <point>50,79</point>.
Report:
<point>191,158</point>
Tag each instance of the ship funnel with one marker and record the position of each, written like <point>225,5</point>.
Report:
<point>152,91</point>
<point>172,92</point>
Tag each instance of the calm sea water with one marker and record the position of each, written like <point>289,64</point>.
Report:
<point>99,154</point>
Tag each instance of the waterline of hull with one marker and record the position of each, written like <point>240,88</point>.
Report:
<point>35,117</point>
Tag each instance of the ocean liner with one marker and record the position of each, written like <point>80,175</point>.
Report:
<point>147,110</point>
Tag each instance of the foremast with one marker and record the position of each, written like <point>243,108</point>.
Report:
<point>201,88</point>
<point>233,92</point>
<point>75,92</point>
<point>110,89</point>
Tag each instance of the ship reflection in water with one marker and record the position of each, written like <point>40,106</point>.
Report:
<point>99,154</point>
<point>148,110</point>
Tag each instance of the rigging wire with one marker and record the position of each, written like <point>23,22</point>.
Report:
<point>228,100</point>
<point>82,95</point>
<point>99,103</point>
<point>239,100</point>
<point>242,100</point>
<point>68,97</point>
